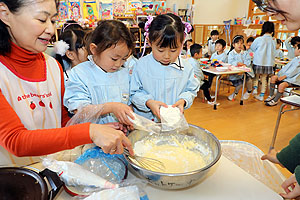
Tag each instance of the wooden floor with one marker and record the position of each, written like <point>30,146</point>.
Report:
<point>253,122</point>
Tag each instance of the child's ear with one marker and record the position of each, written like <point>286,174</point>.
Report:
<point>93,48</point>
<point>4,13</point>
<point>70,55</point>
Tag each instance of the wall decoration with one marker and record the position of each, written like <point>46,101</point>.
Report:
<point>62,11</point>
<point>147,6</point>
<point>134,5</point>
<point>106,10</point>
<point>74,10</point>
<point>119,7</point>
<point>90,10</point>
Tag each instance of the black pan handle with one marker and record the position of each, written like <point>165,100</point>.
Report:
<point>54,182</point>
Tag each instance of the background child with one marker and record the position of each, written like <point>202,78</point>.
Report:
<point>214,36</point>
<point>238,57</point>
<point>70,50</point>
<point>249,42</point>
<point>186,48</point>
<point>220,54</point>
<point>163,78</point>
<point>196,53</point>
<point>279,52</point>
<point>289,75</point>
<point>290,44</point>
<point>102,79</point>
<point>264,58</point>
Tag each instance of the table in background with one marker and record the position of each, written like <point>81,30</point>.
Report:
<point>212,70</point>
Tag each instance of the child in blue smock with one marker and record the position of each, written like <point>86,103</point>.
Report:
<point>214,36</point>
<point>238,57</point>
<point>163,78</point>
<point>264,58</point>
<point>102,81</point>
<point>279,52</point>
<point>289,75</point>
<point>220,54</point>
<point>290,45</point>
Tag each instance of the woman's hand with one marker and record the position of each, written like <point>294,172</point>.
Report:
<point>295,188</point>
<point>111,141</point>
<point>155,106</point>
<point>271,156</point>
<point>179,104</point>
<point>122,111</point>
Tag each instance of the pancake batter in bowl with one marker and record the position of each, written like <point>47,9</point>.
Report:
<point>178,156</point>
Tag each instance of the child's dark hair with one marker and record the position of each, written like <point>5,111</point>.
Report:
<point>166,29</point>
<point>250,39</point>
<point>75,39</point>
<point>295,40</point>
<point>278,41</point>
<point>298,45</point>
<point>221,42</point>
<point>268,27</point>
<point>109,33</point>
<point>236,39</point>
<point>185,44</point>
<point>71,24</point>
<point>13,6</point>
<point>214,32</point>
<point>195,48</point>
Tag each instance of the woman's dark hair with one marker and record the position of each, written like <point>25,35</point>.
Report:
<point>109,33</point>
<point>221,42</point>
<point>13,6</point>
<point>195,48</point>
<point>266,6</point>
<point>268,27</point>
<point>236,39</point>
<point>75,39</point>
<point>166,29</point>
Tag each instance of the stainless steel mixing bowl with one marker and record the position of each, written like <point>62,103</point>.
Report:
<point>178,180</point>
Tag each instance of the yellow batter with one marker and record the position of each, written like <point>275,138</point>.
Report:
<point>176,157</point>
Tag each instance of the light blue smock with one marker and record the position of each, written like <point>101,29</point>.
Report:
<point>89,84</point>
<point>264,50</point>
<point>168,84</point>
<point>211,47</point>
<point>197,70</point>
<point>290,48</point>
<point>279,54</point>
<point>222,57</point>
<point>292,71</point>
<point>243,57</point>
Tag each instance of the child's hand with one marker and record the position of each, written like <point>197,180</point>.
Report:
<point>179,104</point>
<point>281,78</point>
<point>122,112</point>
<point>271,156</point>
<point>239,64</point>
<point>290,182</point>
<point>155,106</point>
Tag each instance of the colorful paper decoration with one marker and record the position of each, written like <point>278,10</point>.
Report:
<point>74,10</point>
<point>147,6</point>
<point>62,11</point>
<point>134,6</point>
<point>159,7</point>
<point>119,7</point>
<point>90,10</point>
<point>106,10</point>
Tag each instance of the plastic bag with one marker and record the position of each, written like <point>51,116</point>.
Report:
<point>124,193</point>
<point>110,167</point>
<point>172,119</point>
<point>73,174</point>
<point>144,124</point>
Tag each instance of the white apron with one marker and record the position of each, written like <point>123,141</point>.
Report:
<point>38,104</point>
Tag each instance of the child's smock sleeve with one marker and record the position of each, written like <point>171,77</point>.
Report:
<point>191,89</point>
<point>138,95</point>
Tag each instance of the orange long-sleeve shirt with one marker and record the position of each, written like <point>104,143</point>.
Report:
<point>14,136</point>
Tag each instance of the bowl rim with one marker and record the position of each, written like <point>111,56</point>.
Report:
<point>186,173</point>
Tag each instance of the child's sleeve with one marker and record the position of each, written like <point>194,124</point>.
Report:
<point>232,60</point>
<point>138,95</point>
<point>77,93</point>
<point>225,58</point>
<point>289,156</point>
<point>191,89</point>
<point>247,59</point>
<point>254,45</point>
<point>297,174</point>
<point>288,45</point>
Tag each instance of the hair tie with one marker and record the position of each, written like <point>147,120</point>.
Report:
<point>188,27</point>
<point>146,34</point>
<point>61,47</point>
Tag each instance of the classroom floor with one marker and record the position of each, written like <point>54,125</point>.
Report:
<point>253,122</point>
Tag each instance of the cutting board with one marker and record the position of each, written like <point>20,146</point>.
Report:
<point>225,181</point>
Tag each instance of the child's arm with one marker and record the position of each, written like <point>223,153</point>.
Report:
<point>191,89</point>
<point>288,45</point>
<point>282,78</point>
<point>155,106</point>
<point>232,60</point>
<point>247,59</point>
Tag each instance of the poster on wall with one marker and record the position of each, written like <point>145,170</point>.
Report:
<point>134,5</point>
<point>106,10</point>
<point>74,9</point>
<point>90,10</point>
<point>147,6</point>
<point>62,11</point>
<point>119,7</point>
<point>159,7</point>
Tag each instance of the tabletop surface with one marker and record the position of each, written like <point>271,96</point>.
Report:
<point>213,70</point>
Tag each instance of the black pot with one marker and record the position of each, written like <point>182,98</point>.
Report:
<point>20,183</point>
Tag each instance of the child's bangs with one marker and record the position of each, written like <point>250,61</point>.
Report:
<point>168,38</point>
